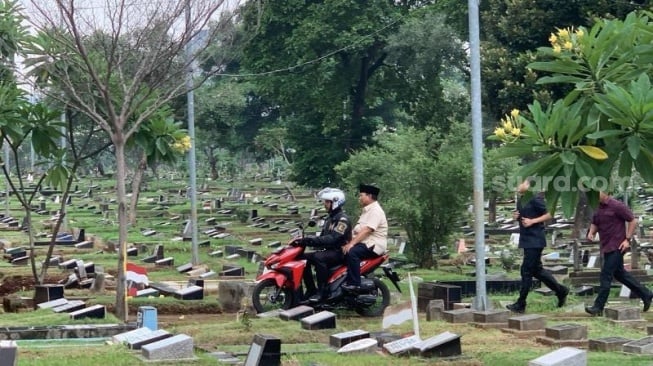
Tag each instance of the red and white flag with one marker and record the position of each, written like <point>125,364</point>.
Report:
<point>397,314</point>
<point>136,274</point>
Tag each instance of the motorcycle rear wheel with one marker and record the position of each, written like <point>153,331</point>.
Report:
<point>382,301</point>
<point>264,297</point>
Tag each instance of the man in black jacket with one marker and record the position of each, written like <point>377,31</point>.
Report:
<point>531,216</point>
<point>336,231</point>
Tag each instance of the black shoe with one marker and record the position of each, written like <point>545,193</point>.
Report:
<point>593,311</point>
<point>647,302</point>
<point>351,288</point>
<point>516,308</point>
<point>562,296</point>
<point>315,298</point>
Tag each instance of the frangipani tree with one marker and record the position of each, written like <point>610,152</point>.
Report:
<point>602,126</point>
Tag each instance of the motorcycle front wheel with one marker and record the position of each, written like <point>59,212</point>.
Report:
<point>382,293</point>
<point>267,296</point>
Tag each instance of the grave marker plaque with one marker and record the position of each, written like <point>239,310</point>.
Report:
<point>401,345</point>
<point>322,320</point>
<point>566,356</point>
<point>443,345</point>
<point>339,340</point>
<point>640,346</point>
<point>179,347</point>
<point>147,337</point>
<point>264,350</point>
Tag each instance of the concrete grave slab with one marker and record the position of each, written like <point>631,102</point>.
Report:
<point>566,356</point>
<point>95,311</point>
<point>322,320</point>
<point>360,346</point>
<point>264,350</point>
<point>296,313</point>
<point>608,344</point>
<point>639,346</point>
<point>340,340</point>
<point>445,344</point>
<point>402,345</point>
<point>144,338</point>
<point>178,347</point>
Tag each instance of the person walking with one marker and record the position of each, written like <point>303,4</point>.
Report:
<point>370,236</point>
<point>615,224</point>
<point>531,217</point>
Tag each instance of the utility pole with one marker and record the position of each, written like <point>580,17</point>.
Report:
<point>191,153</point>
<point>480,301</point>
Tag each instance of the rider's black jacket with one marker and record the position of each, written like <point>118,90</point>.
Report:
<point>335,233</point>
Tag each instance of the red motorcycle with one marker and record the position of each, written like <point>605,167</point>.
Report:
<point>279,286</point>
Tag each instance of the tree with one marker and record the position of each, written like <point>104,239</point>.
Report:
<point>95,46</point>
<point>425,180</point>
<point>603,125</point>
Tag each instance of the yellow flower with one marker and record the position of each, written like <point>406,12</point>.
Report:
<point>568,45</point>
<point>514,113</point>
<point>515,132</point>
<point>557,49</point>
<point>580,33</point>
<point>500,132</point>
<point>553,39</point>
<point>507,125</point>
<point>563,33</point>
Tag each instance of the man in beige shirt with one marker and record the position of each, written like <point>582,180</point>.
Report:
<point>370,236</point>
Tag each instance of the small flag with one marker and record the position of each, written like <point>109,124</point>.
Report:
<point>136,274</point>
<point>397,314</point>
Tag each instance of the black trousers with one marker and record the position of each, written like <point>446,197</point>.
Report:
<point>353,258</point>
<point>532,267</point>
<point>613,267</point>
<point>322,260</point>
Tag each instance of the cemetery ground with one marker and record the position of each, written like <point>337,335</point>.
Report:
<point>267,213</point>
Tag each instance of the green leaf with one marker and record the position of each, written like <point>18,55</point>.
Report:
<point>568,157</point>
<point>633,143</point>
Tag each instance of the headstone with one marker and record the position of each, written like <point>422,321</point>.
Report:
<point>427,291</point>
<point>179,347</point>
<point>491,316</point>
<point>608,344</point>
<point>640,346</point>
<point>339,340</point>
<point>361,345</point>
<point>622,313</point>
<point>47,292</point>
<point>70,306</point>
<point>566,331</point>
<point>565,356</point>
<point>434,310</point>
<point>147,338</point>
<point>322,320</point>
<point>296,313</point>
<point>185,268</point>
<point>527,322</point>
<point>95,311</point>
<point>168,261</point>
<point>458,315</point>
<point>264,350</point>
<point>52,303</point>
<point>131,335</point>
<point>234,271</point>
<point>8,353</point>
<point>190,293</point>
<point>147,292</point>
<point>592,261</point>
<point>256,241</point>
<point>402,345</point>
<point>446,344</point>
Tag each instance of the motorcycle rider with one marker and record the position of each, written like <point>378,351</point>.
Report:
<point>336,231</point>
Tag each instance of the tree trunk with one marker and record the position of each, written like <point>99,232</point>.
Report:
<point>136,188</point>
<point>213,163</point>
<point>582,217</point>
<point>121,299</point>
<point>492,209</point>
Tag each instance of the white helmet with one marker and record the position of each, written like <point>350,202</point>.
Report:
<point>336,196</point>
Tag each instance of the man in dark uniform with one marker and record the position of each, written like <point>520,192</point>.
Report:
<point>610,222</point>
<point>336,231</point>
<point>532,240</point>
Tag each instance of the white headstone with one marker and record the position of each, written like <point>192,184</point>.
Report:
<point>592,261</point>
<point>402,247</point>
<point>624,292</point>
<point>514,239</point>
<point>566,356</point>
<point>361,345</point>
